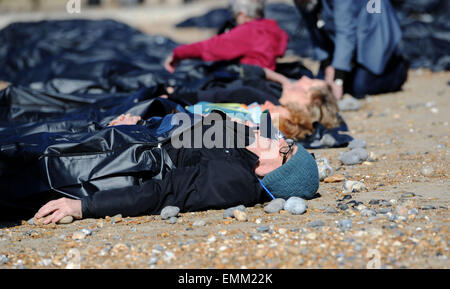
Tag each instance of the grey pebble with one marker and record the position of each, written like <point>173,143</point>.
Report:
<point>3,259</point>
<point>295,205</point>
<point>345,224</point>
<point>275,206</point>
<point>354,157</point>
<point>427,171</point>
<point>315,224</point>
<point>384,211</point>
<point>325,170</point>
<point>413,211</point>
<point>368,213</point>
<point>374,202</point>
<point>173,220</point>
<point>31,222</point>
<point>428,207</point>
<point>230,211</point>
<point>357,143</point>
<point>408,195</point>
<point>262,229</point>
<point>199,223</point>
<point>385,203</point>
<point>169,211</point>
<point>152,261</point>
<point>343,207</point>
<point>331,210</point>
<point>348,104</point>
<point>256,237</point>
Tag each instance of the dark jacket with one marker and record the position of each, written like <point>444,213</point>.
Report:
<point>200,179</point>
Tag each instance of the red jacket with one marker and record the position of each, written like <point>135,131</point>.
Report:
<point>258,42</point>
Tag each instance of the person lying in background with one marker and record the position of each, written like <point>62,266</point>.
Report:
<point>205,178</point>
<point>302,103</point>
<point>255,40</point>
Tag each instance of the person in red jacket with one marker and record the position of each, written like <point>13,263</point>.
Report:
<point>255,41</point>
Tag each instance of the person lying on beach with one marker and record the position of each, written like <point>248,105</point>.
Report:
<point>249,170</point>
<point>255,41</point>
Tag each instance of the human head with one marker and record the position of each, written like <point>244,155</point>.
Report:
<point>247,10</point>
<point>315,97</point>
<point>291,119</point>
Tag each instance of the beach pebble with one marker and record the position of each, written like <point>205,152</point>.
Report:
<point>199,223</point>
<point>229,213</point>
<point>428,207</point>
<point>334,179</point>
<point>315,224</point>
<point>240,216</point>
<point>368,213</point>
<point>343,207</point>
<point>31,222</point>
<point>353,187</point>
<point>116,219</point>
<point>325,170</point>
<point>345,224</point>
<point>354,157</point>
<point>295,206</point>
<point>331,210</point>
<point>427,171</point>
<point>372,157</point>
<point>262,229</point>
<point>173,220</point>
<point>66,220</point>
<point>169,211</point>
<point>349,103</point>
<point>275,206</point>
<point>357,143</point>
<point>80,235</point>
<point>3,259</point>
<point>152,261</point>
<point>384,211</point>
<point>413,211</point>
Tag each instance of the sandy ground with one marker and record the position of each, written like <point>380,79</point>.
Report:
<point>407,131</point>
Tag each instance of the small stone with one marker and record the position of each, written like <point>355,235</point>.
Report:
<point>169,211</point>
<point>331,210</point>
<point>384,211</point>
<point>408,195</point>
<point>311,236</point>
<point>229,213</point>
<point>315,224</point>
<point>173,220</point>
<point>275,206</point>
<point>116,219</point>
<point>31,222</point>
<point>262,229</point>
<point>199,223</point>
<point>152,261</point>
<point>325,170</point>
<point>168,256</point>
<point>240,216</point>
<point>353,187</point>
<point>372,157</point>
<point>256,237</point>
<point>428,207</point>
<point>66,220</point>
<point>374,202</point>
<point>413,211</point>
<point>349,104</point>
<point>46,262</point>
<point>295,206</point>
<point>361,207</point>
<point>3,259</point>
<point>401,211</point>
<point>354,157</point>
<point>258,221</point>
<point>343,207</point>
<point>345,224</point>
<point>334,179</point>
<point>357,143</point>
<point>427,171</point>
<point>368,213</point>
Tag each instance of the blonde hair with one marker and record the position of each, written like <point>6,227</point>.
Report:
<point>323,109</point>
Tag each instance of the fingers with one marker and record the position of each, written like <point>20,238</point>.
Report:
<point>48,208</point>
<point>55,217</point>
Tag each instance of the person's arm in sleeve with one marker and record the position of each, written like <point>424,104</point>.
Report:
<point>227,46</point>
<point>345,21</point>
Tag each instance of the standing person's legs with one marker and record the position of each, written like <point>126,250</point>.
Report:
<point>362,82</point>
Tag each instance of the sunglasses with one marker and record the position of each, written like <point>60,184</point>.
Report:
<point>286,149</point>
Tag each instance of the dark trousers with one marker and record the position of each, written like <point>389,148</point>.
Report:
<point>361,82</point>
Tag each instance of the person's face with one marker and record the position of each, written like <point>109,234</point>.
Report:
<point>300,91</point>
<point>269,154</point>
